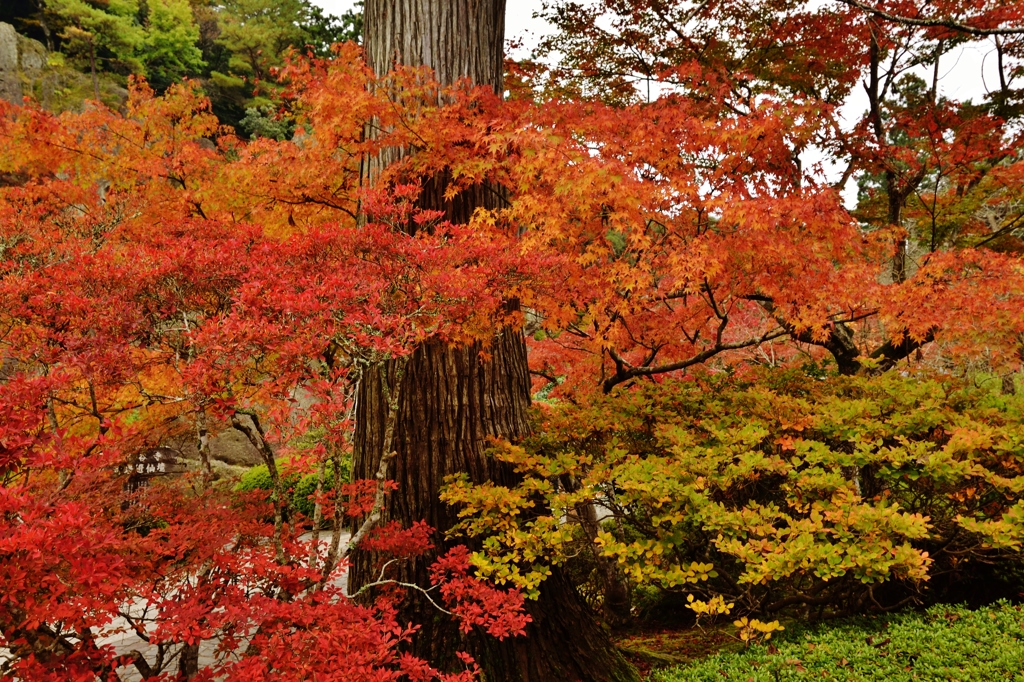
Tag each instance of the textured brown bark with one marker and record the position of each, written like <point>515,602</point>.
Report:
<point>450,402</point>
<point>453,399</point>
<point>188,662</point>
<point>455,38</point>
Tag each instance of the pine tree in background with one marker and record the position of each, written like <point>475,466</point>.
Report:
<point>100,36</point>
<point>231,47</point>
<point>169,51</point>
<point>256,33</point>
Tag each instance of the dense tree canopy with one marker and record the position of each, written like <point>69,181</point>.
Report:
<point>779,399</point>
<point>232,47</point>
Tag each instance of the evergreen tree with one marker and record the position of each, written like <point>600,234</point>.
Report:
<point>325,29</point>
<point>169,51</point>
<point>102,34</point>
<point>257,33</point>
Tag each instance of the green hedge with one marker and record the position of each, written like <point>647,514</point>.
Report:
<point>306,487</point>
<point>301,486</point>
<point>944,643</point>
<point>256,478</point>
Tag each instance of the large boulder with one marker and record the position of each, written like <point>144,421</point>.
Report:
<point>10,79</point>
<point>229,446</point>
<point>27,70</point>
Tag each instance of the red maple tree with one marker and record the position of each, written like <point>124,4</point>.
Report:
<point>159,276</point>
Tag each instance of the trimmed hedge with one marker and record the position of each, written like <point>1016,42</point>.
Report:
<point>256,478</point>
<point>943,643</point>
<point>302,501</point>
<point>301,486</point>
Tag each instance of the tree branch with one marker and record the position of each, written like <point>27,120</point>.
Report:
<point>257,437</point>
<point>625,371</point>
<point>890,353</point>
<point>932,22</point>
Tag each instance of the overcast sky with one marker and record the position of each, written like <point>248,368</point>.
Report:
<point>966,72</point>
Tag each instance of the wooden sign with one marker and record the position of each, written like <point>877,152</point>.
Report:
<point>160,461</point>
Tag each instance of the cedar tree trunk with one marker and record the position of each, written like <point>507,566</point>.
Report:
<point>453,398</point>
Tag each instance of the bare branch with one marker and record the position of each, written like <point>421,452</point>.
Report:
<point>376,511</point>
<point>391,397</point>
<point>933,22</point>
<point>254,432</point>
<point>627,372</point>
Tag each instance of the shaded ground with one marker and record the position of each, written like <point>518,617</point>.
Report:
<point>665,646</point>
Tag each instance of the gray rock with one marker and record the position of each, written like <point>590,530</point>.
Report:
<point>231,447</point>
<point>10,79</point>
<point>227,446</point>
<point>31,56</point>
<point>25,70</point>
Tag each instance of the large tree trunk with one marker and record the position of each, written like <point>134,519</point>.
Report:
<point>454,398</point>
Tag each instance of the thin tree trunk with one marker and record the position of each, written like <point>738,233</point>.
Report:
<point>92,68</point>
<point>454,398</point>
<point>188,661</point>
<point>203,446</point>
<point>614,586</point>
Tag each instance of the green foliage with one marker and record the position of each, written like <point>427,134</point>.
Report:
<point>300,485</point>
<point>264,122</point>
<point>100,34</point>
<point>786,490</point>
<point>305,489</point>
<point>232,47</point>
<point>323,30</point>
<point>256,33</point>
<point>945,643</point>
<point>256,478</point>
<point>251,39</point>
<point>169,51</point>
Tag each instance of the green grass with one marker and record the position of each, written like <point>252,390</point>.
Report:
<point>943,643</point>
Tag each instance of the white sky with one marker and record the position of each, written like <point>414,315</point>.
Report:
<point>966,73</point>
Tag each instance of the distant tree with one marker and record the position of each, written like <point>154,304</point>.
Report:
<point>29,18</point>
<point>257,33</point>
<point>169,51</point>
<point>94,31</point>
<point>327,29</point>
<point>244,41</point>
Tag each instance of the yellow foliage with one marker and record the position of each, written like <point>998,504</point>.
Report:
<point>753,630</point>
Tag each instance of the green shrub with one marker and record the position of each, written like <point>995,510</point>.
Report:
<point>302,497</point>
<point>302,501</point>
<point>256,478</point>
<point>944,643</point>
<point>785,490</point>
<point>302,487</point>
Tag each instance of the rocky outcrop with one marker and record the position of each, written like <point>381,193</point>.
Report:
<point>26,70</point>
<point>22,61</point>
<point>228,446</point>
<point>10,82</point>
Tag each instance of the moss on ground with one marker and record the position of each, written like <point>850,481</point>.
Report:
<point>943,643</point>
